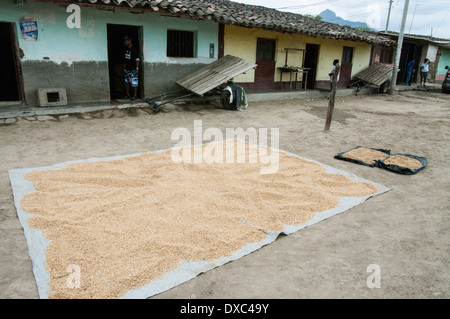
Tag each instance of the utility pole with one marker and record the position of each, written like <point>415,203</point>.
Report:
<point>389,14</point>
<point>399,49</point>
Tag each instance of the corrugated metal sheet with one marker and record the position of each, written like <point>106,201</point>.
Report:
<point>215,74</point>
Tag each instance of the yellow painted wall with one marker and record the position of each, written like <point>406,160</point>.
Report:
<point>241,42</point>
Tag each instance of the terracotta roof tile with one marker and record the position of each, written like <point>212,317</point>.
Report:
<point>239,14</point>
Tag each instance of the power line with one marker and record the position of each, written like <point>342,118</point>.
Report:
<point>412,19</point>
<point>440,24</point>
<point>430,5</point>
<point>389,15</point>
<point>307,5</point>
<point>427,6</point>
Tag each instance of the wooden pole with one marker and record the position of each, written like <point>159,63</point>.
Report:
<point>332,97</point>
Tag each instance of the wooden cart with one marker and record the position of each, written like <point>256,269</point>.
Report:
<point>377,74</point>
<point>206,79</point>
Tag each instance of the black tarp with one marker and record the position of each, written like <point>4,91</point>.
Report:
<point>341,156</point>
<point>381,162</point>
<point>401,169</point>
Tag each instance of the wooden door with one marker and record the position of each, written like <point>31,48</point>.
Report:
<point>345,75</point>
<point>265,59</point>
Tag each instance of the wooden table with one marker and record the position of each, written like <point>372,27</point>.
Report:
<point>293,73</point>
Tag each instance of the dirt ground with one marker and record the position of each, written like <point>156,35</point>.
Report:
<point>404,231</point>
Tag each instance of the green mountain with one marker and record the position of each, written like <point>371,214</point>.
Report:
<point>330,16</point>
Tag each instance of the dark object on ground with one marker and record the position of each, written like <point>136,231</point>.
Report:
<point>225,101</point>
<point>342,156</point>
<point>401,169</point>
<point>446,83</point>
<point>387,162</point>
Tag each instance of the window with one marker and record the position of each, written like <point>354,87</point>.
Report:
<point>180,44</point>
<point>386,54</point>
<point>347,55</point>
<point>265,49</point>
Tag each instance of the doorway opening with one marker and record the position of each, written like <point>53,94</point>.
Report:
<point>11,88</point>
<point>311,61</point>
<point>116,34</point>
<point>409,51</point>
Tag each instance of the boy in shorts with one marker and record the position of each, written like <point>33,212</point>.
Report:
<point>424,69</point>
<point>131,68</point>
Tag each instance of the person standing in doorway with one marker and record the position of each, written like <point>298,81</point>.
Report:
<point>131,68</point>
<point>424,69</point>
<point>332,73</point>
<point>409,71</point>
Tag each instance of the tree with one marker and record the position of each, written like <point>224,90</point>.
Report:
<point>364,28</point>
<point>316,17</point>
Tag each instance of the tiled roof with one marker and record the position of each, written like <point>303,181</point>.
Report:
<point>244,15</point>
<point>444,43</point>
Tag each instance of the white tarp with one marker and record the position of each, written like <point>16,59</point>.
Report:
<point>187,270</point>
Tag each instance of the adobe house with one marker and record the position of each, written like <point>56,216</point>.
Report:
<point>53,45</point>
<point>443,61</point>
<point>86,61</point>
<point>274,39</point>
<point>418,47</point>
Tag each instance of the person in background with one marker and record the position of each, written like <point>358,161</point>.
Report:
<point>131,68</point>
<point>332,73</point>
<point>409,71</point>
<point>424,69</point>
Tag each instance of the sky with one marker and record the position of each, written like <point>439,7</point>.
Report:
<point>429,17</point>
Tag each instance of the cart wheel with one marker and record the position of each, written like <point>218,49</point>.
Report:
<point>225,100</point>
<point>384,88</point>
<point>154,105</point>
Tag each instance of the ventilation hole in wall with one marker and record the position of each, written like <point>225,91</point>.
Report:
<point>52,97</point>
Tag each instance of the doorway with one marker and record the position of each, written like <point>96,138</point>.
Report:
<point>265,59</point>
<point>409,51</point>
<point>345,75</point>
<point>311,61</point>
<point>116,34</point>
<point>10,75</point>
